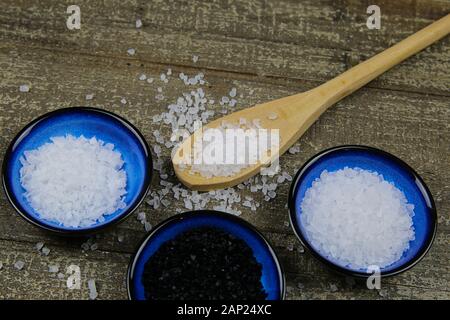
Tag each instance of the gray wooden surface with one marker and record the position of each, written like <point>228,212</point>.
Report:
<point>271,48</point>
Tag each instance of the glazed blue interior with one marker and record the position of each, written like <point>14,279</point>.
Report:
<point>392,171</point>
<point>271,274</point>
<point>89,123</point>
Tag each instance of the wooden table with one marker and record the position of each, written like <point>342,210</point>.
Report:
<point>266,49</point>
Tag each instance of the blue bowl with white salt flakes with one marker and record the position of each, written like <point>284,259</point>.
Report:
<point>87,122</point>
<point>272,279</point>
<point>394,171</point>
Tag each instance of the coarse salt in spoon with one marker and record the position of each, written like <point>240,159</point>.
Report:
<point>293,115</point>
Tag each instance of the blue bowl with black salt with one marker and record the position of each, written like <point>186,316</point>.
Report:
<point>367,159</point>
<point>272,276</point>
<point>89,123</point>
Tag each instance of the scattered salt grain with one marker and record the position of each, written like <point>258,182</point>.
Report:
<point>138,23</point>
<point>53,268</point>
<point>333,287</point>
<point>141,216</point>
<point>142,77</point>
<point>147,226</point>
<point>233,92</point>
<point>383,293</point>
<point>357,219</point>
<point>150,80</point>
<point>194,58</point>
<point>120,238</point>
<point>45,251</point>
<point>39,246</point>
<point>24,88</point>
<point>131,51</point>
<point>19,265</point>
<point>272,116</point>
<point>90,96</point>
<point>93,294</point>
<point>74,181</point>
<point>123,101</point>
<point>294,150</point>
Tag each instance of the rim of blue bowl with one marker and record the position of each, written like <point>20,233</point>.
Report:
<point>190,214</point>
<point>90,230</point>
<point>353,273</point>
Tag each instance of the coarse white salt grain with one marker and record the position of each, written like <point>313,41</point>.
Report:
<point>194,58</point>
<point>24,88</point>
<point>89,96</point>
<point>74,181</point>
<point>131,51</point>
<point>357,219</point>
<point>142,77</point>
<point>123,101</point>
<point>45,251</point>
<point>53,268</point>
<point>272,116</point>
<point>39,246</point>
<point>93,294</point>
<point>19,265</point>
<point>138,23</point>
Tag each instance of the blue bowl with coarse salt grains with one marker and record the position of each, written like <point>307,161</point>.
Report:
<point>272,274</point>
<point>394,171</point>
<point>87,122</point>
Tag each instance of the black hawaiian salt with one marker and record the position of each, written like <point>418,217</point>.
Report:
<point>203,264</point>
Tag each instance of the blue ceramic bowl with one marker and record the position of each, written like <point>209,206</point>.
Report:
<point>393,170</point>
<point>88,122</point>
<point>272,274</point>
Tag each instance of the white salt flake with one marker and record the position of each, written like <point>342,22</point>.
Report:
<point>123,101</point>
<point>131,51</point>
<point>194,58</point>
<point>147,226</point>
<point>93,294</point>
<point>53,268</point>
<point>24,88</point>
<point>142,77</point>
<point>89,96</point>
<point>39,246</point>
<point>272,116</point>
<point>45,251</point>
<point>138,23</point>
<point>19,264</point>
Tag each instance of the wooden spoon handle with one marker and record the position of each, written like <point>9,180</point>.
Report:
<point>353,79</point>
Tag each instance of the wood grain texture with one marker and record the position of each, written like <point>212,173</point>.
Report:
<point>273,48</point>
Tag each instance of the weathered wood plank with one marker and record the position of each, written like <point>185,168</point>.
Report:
<point>311,40</point>
<point>35,281</point>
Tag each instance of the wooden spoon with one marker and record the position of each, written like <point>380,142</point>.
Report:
<point>296,113</point>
